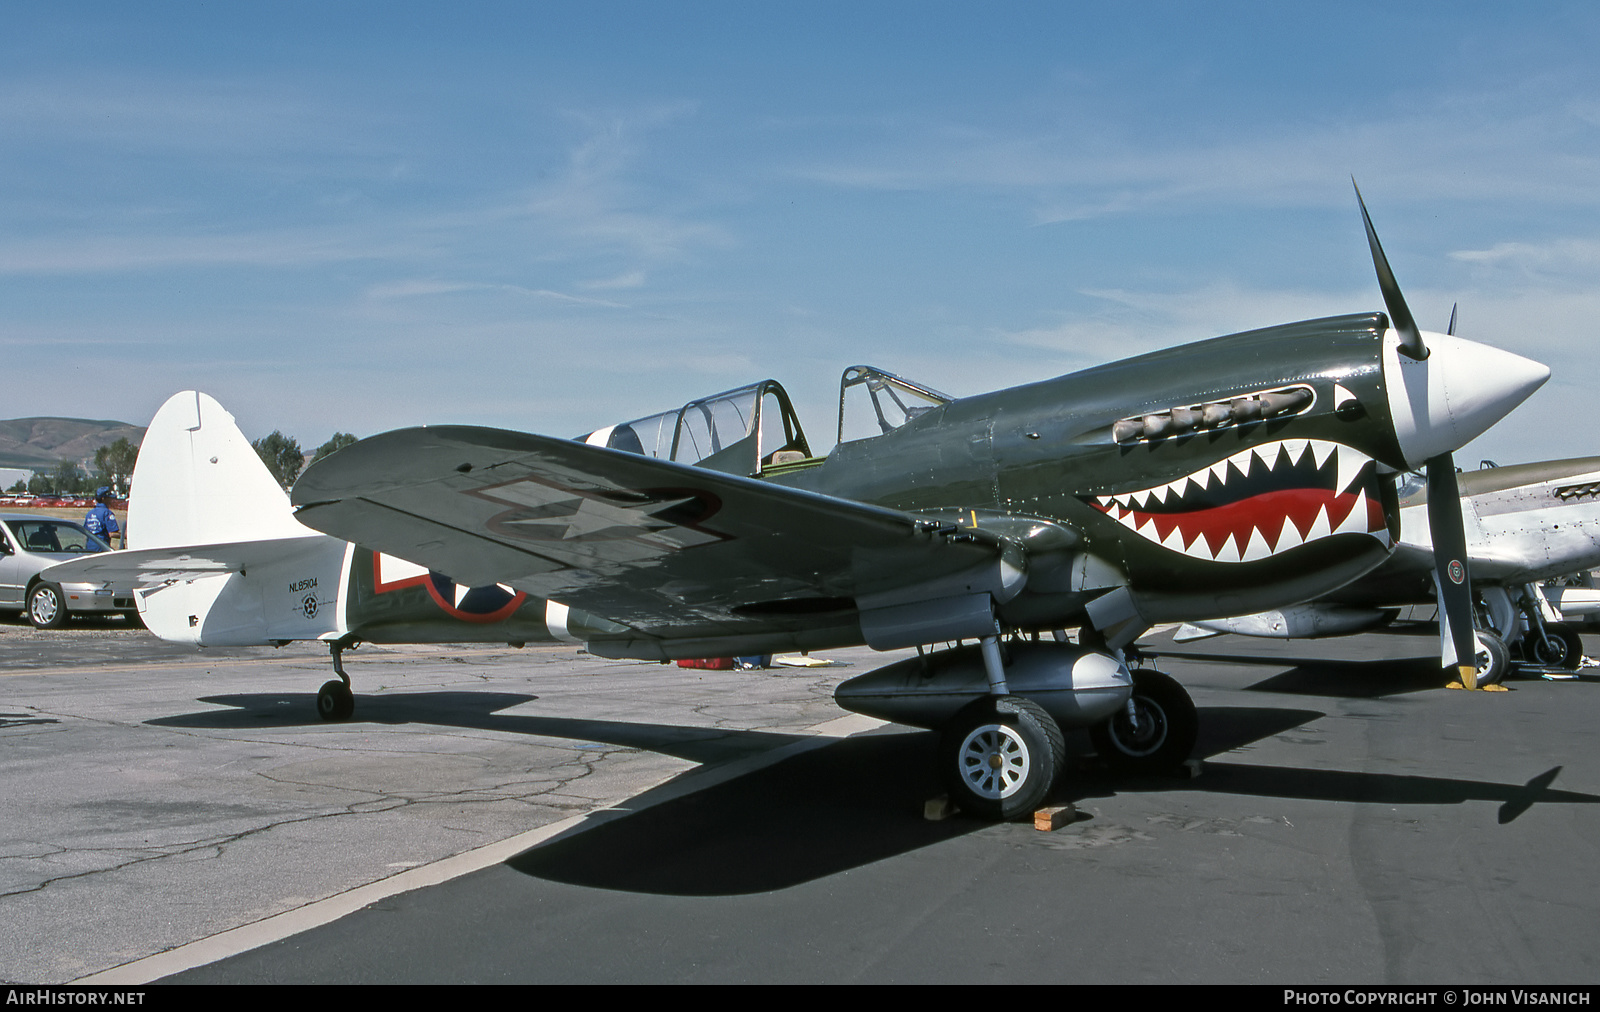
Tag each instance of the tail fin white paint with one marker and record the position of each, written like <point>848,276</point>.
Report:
<point>224,561</point>
<point>198,481</point>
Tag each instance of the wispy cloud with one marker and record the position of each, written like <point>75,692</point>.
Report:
<point>1462,146</point>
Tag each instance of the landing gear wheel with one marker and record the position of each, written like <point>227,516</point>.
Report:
<point>1562,647</point>
<point>1494,660</point>
<point>47,609</point>
<point>335,701</point>
<point>1154,732</point>
<point>1000,756</point>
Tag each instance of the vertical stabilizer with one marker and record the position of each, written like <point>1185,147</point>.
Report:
<point>198,481</point>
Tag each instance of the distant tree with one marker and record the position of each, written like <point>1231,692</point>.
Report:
<point>282,455</point>
<point>113,464</point>
<point>20,486</point>
<point>339,441</point>
<point>68,477</point>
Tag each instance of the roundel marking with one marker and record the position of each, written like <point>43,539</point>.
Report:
<point>493,603</point>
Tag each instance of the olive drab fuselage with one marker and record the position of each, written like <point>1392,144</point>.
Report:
<point>1049,451</point>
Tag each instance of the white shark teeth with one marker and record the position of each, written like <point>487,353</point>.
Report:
<point>1355,521</point>
<point>1131,508</point>
<point>1321,450</point>
<point>1257,547</point>
<point>1268,454</point>
<point>1350,465</point>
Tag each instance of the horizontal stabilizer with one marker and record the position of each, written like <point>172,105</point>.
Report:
<point>149,567</point>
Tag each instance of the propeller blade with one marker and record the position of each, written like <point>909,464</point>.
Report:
<point>1399,313</point>
<point>1451,330</point>
<point>1451,575</point>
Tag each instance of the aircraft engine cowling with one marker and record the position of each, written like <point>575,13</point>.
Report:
<point>1076,686</point>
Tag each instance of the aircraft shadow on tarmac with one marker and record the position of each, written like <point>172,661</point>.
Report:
<point>479,710</point>
<point>1339,679</point>
<point>838,806</point>
<point>859,800</point>
<point>24,720</point>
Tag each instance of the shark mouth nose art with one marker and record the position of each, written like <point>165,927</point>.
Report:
<point>1258,503</point>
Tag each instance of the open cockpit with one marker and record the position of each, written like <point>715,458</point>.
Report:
<point>753,430</point>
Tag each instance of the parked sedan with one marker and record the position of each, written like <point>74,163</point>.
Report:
<point>30,543</point>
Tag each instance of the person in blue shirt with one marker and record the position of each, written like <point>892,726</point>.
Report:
<point>100,521</point>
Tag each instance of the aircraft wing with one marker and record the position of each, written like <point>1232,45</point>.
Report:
<point>151,567</point>
<point>666,549</point>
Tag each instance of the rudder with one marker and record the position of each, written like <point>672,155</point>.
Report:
<point>199,481</point>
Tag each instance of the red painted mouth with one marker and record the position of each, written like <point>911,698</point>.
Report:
<point>1258,503</point>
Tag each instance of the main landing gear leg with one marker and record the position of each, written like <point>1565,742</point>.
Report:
<point>1000,755</point>
<point>335,701</point>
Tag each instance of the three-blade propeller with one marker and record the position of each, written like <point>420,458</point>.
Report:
<point>1451,575</point>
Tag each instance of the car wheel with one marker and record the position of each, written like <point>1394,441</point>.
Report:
<point>47,609</point>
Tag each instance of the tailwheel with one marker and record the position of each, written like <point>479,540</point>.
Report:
<point>1000,756</point>
<point>1561,647</point>
<point>1154,732</point>
<point>335,701</point>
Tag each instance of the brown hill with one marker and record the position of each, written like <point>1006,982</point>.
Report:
<point>39,444</point>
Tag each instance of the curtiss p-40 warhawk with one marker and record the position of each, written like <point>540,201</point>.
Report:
<point>1219,478</point>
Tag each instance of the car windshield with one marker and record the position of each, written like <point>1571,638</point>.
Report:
<point>55,536</point>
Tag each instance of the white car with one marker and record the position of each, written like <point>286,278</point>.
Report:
<point>28,544</point>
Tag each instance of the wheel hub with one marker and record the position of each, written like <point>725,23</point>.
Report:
<point>994,761</point>
<point>1141,728</point>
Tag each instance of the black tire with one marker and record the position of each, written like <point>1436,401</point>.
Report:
<point>1562,647</point>
<point>1000,756</point>
<point>1165,732</point>
<point>335,701</point>
<point>47,607</point>
<point>1494,660</point>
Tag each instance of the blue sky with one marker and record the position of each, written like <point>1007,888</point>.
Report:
<point>550,217</point>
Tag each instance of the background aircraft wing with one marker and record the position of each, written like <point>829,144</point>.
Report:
<point>669,550</point>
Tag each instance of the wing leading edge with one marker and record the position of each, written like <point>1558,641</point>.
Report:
<point>670,551</point>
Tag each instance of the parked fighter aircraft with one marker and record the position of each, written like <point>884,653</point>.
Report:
<point>1224,477</point>
<point>1524,524</point>
<point>218,559</point>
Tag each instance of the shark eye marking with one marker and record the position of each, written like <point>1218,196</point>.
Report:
<point>1257,503</point>
<point>1277,403</point>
